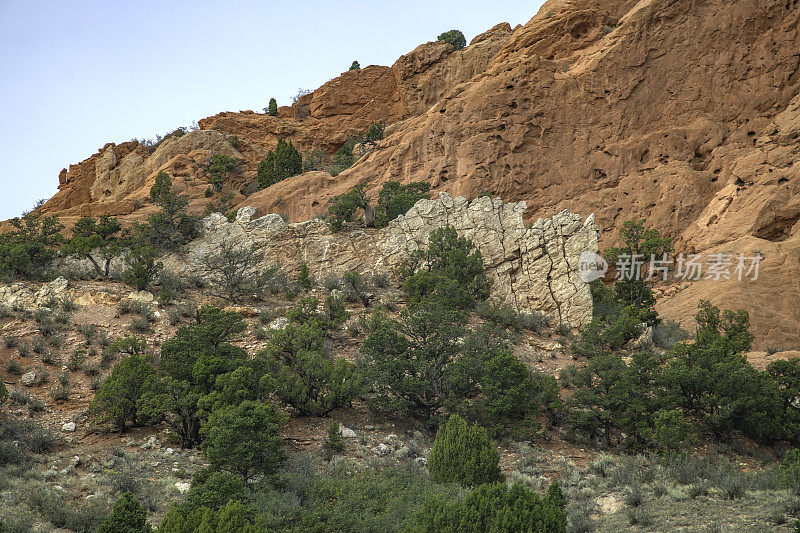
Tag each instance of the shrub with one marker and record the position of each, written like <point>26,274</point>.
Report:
<point>304,280</point>
<point>139,324</point>
<point>89,332</point>
<point>117,398</point>
<point>463,454</point>
<point>272,108</point>
<point>496,507</point>
<point>335,311</point>
<point>454,38</point>
<point>449,270</point>
<point>667,334</point>
<point>142,266</point>
<point>305,377</point>
<point>127,516</point>
<point>13,367</point>
<point>354,288</point>
<point>233,272</point>
<point>501,315</point>
<point>671,430</point>
<point>76,360</point>
<point>28,250</point>
<point>343,208</point>
<point>354,66</point>
<point>245,439</point>
<point>218,169</point>
<point>283,163</point>
<point>395,199</point>
<point>171,228</point>
<point>334,443</point>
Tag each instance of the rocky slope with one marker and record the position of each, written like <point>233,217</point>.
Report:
<point>684,113</point>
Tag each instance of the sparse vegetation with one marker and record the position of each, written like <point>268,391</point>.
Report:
<point>454,38</point>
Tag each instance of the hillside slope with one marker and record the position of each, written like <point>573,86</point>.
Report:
<point>684,113</point>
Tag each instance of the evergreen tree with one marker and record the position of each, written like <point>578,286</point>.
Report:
<point>395,200</point>
<point>280,164</point>
<point>463,454</point>
<point>172,227</point>
<point>127,516</point>
<point>245,439</point>
<point>188,369</point>
<point>343,208</point>
<point>142,266</point>
<point>454,38</point>
<point>498,508</point>
<point>355,66</point>
<point>91,238</point>
<point>28,250</point>
<point>116,399</point>
<point>272,107</point>
<point>449,270</point>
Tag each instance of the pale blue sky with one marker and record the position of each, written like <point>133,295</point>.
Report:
<point>76,75</point>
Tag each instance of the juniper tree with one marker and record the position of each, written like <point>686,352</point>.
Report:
<point>463,454</point>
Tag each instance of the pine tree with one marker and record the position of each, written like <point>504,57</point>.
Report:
<point>355,66</point>
<point>272,107</point>
<point>283,163</point>
<point>464,455</point>
<point>128,516</point>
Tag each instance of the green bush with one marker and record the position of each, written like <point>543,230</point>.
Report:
<point>463,454</point>
<point>190,363</point>
<point>218,169</point>
<point>283,163</point>
<point>354,66</point>
<point>304,280</point>
<point>343,208</point>
<point>127,516</point>
<point>245,439</point>
<point>395,199</point>
<point>117,398</point>
<point>27,251</point>
<point>671,430</point>
<point>498,508</point>
<point>374,133</point>
<point>142,266</point>
<point>450,270</point>
<point>334,443</point>
<point>302,375</point>
<point>454,38</point>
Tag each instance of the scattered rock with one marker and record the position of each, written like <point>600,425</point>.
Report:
<point>183,486</point>
<point>346,432</point>
<point>28,378</point>
<point>68,426</point>
<point>141,296</point>
<point>381,450</point>
<point>279,323</point>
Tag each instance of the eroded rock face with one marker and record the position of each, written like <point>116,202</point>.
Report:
<point>22,296</point>
<point>533,268</point>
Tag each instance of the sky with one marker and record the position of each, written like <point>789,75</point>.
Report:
<point>75,75</point>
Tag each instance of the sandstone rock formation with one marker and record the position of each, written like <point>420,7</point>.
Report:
<point>533,268</point>
<point>684,113</point>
